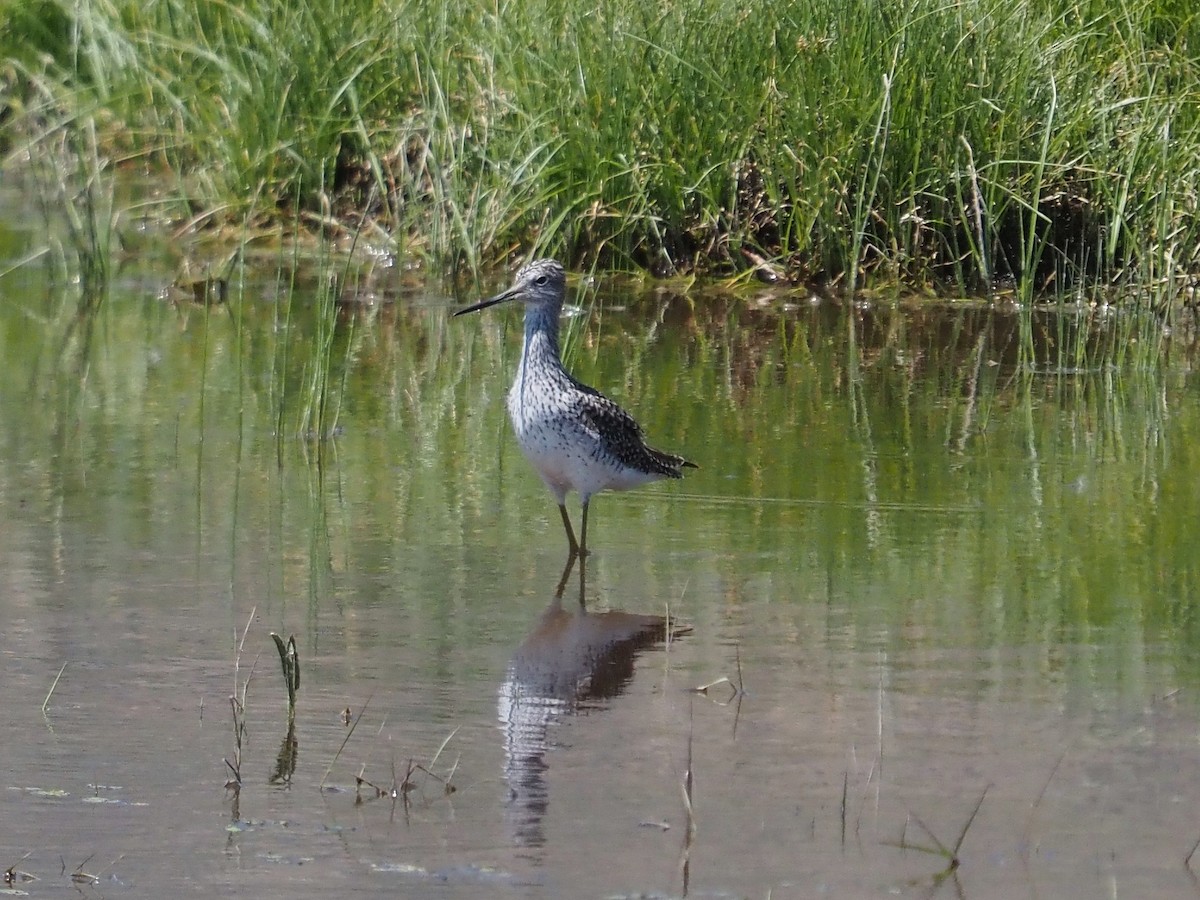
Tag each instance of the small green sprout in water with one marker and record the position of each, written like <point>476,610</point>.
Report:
<point>289,659</point>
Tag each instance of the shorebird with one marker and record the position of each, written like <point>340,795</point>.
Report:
<point>575,437</point>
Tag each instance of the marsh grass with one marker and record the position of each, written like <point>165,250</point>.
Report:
<point>72,177</point>
<point>961,146</point>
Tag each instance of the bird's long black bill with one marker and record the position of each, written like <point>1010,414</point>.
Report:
<point>484,304</point>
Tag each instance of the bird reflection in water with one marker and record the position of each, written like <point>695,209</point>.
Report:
<point>568,661</point>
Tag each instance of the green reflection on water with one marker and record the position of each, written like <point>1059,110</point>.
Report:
<point>906,468</point>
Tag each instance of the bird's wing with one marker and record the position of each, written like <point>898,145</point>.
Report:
<point>621,436</point>
<point>615,429</point>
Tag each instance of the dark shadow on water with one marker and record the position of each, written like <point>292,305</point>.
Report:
<point>570,660</point>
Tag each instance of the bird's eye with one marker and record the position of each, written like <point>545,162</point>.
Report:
<point>541,279</point>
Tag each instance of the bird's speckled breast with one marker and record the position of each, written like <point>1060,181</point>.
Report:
<point>553,429</point>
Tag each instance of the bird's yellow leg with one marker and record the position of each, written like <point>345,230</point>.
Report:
<point>571,531</point>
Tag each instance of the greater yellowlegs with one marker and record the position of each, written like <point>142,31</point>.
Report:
<point>576,438</point>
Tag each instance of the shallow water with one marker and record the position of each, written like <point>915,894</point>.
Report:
<point>916,578</point>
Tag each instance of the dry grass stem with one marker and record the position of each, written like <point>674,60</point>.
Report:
<point>237,702</point>
<point>939,849</point>
<point>1187,860</point>
<point>12,875</point>
<point>442,746</point>
<point>845,790</point>
<point>735,690</point>
<point>687,777</point>
<point>79,876</point>
<point>345,740</point>
<point>689,833</point>
<point>50,693</point>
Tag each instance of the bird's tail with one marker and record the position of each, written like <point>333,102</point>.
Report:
<point>670,464</point>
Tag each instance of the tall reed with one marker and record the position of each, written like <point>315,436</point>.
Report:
<point>961,145</point>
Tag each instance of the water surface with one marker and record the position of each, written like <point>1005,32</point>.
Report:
<point>932,555</point>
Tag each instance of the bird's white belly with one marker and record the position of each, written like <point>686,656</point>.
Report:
<point>566,455</point>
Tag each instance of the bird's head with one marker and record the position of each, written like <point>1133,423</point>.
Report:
<point>542,282</point>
